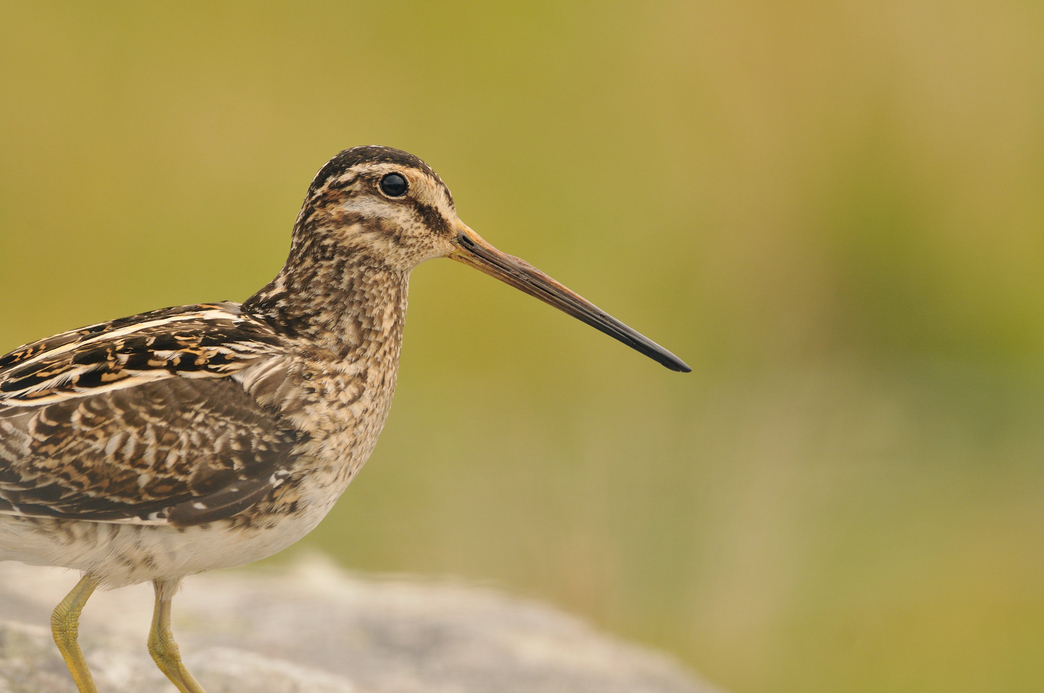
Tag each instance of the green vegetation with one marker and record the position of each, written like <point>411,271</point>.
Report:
<point>833,211</point>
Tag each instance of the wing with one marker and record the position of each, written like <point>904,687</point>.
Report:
<point>144,420</point>
<point>206,341</point>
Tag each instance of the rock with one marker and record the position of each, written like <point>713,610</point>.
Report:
<point>316,629</point>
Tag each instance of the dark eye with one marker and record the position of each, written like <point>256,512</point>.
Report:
<point>394,185</point>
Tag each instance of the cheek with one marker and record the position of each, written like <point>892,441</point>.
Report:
<point>423,247</point>
<point>423,240</point>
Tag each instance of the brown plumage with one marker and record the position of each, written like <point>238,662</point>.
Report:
<point>180,440</point>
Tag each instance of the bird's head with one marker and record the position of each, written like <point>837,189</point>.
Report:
<point>379,206</point>
<point>385,208</point>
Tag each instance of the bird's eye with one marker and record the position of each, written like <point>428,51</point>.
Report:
<point>394,185</point>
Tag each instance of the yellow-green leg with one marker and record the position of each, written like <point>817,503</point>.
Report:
<point>161,641</point>
<point>65,625</point>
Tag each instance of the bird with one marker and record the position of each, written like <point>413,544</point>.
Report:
<point>197,437</point>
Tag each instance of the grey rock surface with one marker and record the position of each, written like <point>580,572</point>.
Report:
<point>315,628</point>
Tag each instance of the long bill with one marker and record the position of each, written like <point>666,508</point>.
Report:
<point>473,251</point>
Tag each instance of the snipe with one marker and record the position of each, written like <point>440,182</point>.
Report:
<point>206,436</point>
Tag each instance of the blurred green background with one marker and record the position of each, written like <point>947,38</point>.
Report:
<point>834,211</point>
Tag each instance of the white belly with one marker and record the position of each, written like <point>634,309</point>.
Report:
<point>126,554</point>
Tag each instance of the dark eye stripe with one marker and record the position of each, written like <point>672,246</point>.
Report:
<point>394,185</point>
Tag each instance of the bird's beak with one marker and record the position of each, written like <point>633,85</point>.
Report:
<point>472,250</point>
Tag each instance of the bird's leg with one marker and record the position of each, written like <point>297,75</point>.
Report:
<point>65,625</point>
<point>161,641</point>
